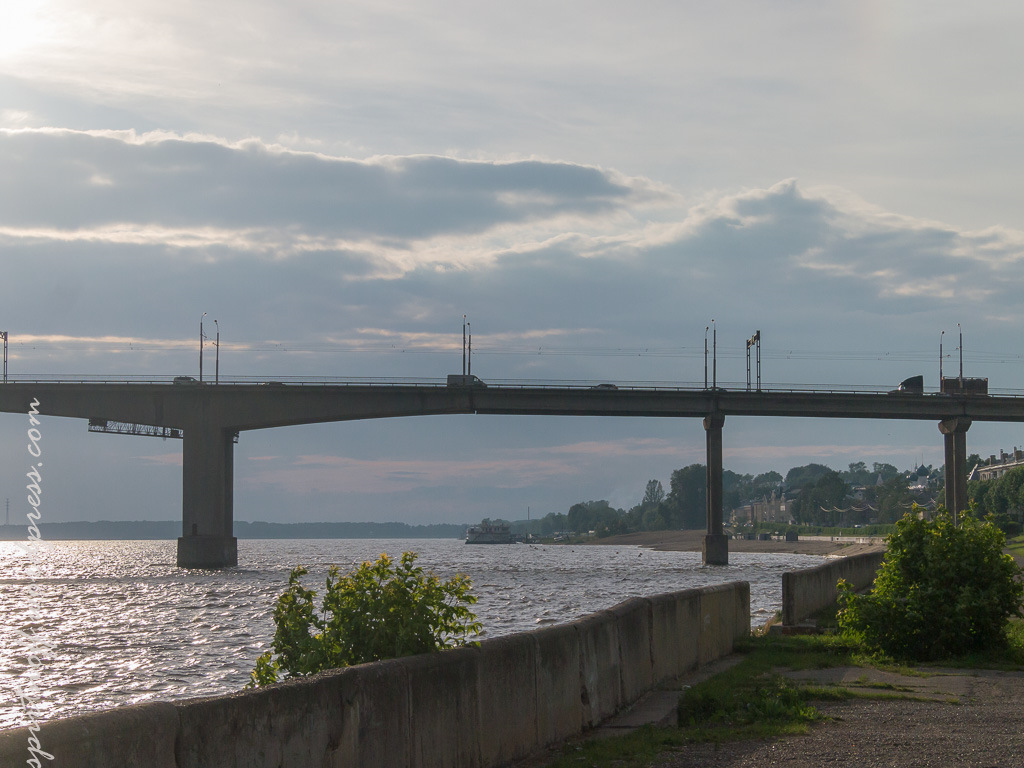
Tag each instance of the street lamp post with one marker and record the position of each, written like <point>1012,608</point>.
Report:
<point>943,333</point>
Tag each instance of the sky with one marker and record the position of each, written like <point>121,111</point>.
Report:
<point>592,185</point>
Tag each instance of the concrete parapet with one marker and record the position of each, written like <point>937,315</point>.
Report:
<point>600,667</point>
<point>444,716</point>
<point>139,735</point>
<point>633,624</point>
<point>383,715</point>
<point>559,685</point>
<point>297,722</point>
<point>506,690</point>
<point>675,639</point>
<point>807,591</point>
<point>721,622</point>
<point>473,707</point>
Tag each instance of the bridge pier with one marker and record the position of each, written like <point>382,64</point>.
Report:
<point>954,432</point>
<point>715,549</point>
<point>207,539</point>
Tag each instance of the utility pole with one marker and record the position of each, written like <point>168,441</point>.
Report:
<point>201,337</point>
<point>469,367</point>
<point>216,368</point>
<point>714,355</point>
<point>961,357</point>
<point>463,345</point>
<point>4,334</point>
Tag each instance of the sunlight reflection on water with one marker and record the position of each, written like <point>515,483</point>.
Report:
<point>127,625</point>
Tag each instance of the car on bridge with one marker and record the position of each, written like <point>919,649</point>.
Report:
<point>464,380</point>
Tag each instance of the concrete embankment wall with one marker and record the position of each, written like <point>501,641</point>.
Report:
<point>806,592</point>
<point>470,707</point>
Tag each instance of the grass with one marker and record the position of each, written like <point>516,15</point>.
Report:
<point>749,701</point>
<point>1015,545</point>
<point>753,700</point>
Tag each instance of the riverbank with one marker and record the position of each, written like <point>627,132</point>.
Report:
<point>691,541</point>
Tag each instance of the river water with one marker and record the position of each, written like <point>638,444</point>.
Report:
<point>122,624</point>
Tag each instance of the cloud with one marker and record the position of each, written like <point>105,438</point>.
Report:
<point>329,264</point>
<point>163,459</point>
<point>594,449</point>
<point>196,192</point>
<point>775,455</point>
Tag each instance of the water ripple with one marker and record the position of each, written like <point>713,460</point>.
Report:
<point>125,625</point>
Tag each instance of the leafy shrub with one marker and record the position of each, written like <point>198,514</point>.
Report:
<point>378,611</point>
<point>942,591</point>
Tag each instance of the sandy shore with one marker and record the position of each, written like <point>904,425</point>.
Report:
<point>690,541</point>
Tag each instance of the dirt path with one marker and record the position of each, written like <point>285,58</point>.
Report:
<point>970,718</point>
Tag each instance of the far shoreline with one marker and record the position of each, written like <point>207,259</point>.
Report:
<point>692,541</point>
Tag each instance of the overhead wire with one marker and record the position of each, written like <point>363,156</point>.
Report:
<point>483,348</point>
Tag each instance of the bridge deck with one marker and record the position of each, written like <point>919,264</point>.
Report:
<point>245,406</point>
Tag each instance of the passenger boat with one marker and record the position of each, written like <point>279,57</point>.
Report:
<point>491,533</point>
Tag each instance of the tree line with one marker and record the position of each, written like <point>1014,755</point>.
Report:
<point>1002,498</point>
<point>814,492</point>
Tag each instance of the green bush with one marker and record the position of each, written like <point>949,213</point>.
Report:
<point>942,591</point>
<point>378,611</point>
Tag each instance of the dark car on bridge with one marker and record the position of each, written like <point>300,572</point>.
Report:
<point>464,380</point>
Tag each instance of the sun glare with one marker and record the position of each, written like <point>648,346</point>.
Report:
<point>23,26</point>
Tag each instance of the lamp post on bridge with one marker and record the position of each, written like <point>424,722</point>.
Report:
<point>943,333</point>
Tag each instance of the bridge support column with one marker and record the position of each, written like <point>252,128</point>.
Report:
<point>207,539</point>
<point>955,434</point>
<point>716,544</point>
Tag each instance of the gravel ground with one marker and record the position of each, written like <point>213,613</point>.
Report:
<point>972,718</point>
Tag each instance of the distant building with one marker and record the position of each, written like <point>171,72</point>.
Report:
<point>767,510</point>
<point>997,467</point>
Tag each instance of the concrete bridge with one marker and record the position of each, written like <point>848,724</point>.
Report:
<point>210,415</point>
